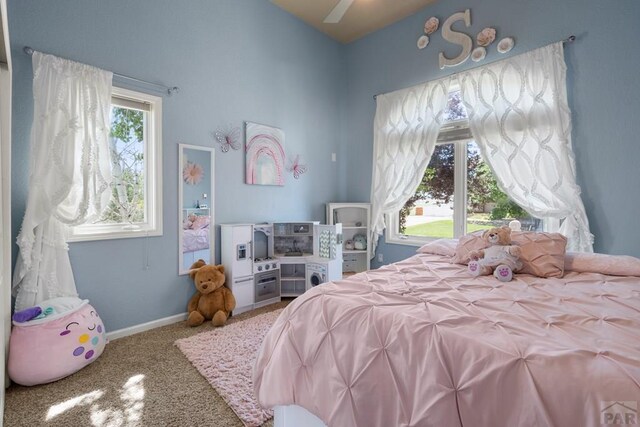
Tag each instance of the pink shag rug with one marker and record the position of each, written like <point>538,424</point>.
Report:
<point>225,357</point>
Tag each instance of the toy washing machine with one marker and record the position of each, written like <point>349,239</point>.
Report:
<point>317,273</point>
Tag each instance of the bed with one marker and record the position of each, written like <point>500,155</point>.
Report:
<point>421,343</point>
<point>195,239</point>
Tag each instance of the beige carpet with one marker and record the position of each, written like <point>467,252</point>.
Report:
<point>141,380</point>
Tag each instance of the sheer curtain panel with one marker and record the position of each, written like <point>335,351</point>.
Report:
<point>406,128</point>
<point>520,119</point>
<point>69,177</point>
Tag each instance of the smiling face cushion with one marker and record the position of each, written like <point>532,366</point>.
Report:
<point>55,346</point>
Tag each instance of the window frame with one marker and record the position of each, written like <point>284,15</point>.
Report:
<point>447,135</point>
<point>152,225</point>
<point>460,189</point>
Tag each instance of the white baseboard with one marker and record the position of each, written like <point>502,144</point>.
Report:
<point>136,329</point>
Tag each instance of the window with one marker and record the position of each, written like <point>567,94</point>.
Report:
<point>135,208</point>
<point>458,192</point>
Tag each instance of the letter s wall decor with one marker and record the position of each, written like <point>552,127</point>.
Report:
<point>458,38</point>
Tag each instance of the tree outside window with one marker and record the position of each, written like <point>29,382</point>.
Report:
<point>127,161</point>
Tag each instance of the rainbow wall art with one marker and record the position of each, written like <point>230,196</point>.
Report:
<point>265,155</point>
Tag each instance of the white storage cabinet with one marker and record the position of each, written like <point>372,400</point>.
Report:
<point>355,219</point>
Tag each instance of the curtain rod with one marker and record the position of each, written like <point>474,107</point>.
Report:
<point>568,40</point>
<point>169,90</point>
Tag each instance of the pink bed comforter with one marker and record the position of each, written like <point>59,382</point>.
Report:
<point>195,240</point>
<point>420,343</point>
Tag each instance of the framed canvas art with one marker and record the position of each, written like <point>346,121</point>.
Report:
<point>264,146</point>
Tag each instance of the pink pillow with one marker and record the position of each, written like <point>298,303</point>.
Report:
<point>467,244</point>
<point>444,247</point>
<point>200,222</point>
<point>613,265</point>
<point>542,253</point>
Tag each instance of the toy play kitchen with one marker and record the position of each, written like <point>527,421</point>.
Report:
<point>264,262</point>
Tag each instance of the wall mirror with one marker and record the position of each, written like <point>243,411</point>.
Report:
<point>195,194</point>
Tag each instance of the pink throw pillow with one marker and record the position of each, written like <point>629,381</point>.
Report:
<point>467,244</point>
<point>200,222</point>
<point>613,265</point>
<point>542,253</point>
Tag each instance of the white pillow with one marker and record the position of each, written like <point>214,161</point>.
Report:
<point>444,247</point>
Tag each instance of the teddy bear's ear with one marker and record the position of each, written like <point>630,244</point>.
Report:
<point>220,268</point>
<point>199,263</point>
<point>506,228</point>
<point>195,267</point>
<point>485,233</point>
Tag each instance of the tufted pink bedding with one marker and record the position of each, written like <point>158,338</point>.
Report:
<point>195,240</point>
<point>420,343</point>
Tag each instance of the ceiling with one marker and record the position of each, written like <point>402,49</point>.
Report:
<point>362,18</point>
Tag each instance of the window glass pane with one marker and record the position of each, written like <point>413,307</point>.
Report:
<point>127,144</point>
<point>430,211</point>
<point>455,110</point>
<point>487,206</point>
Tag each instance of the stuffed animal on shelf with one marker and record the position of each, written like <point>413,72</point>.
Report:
<point>212,301</point>
<point>360,242</point>
<point>501,257</point>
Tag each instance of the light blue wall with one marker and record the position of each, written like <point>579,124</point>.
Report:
<point>603,93</point>
<point>234,61</point>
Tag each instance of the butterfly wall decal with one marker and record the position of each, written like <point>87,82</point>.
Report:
<point>228,137</point>
<point>296,167</point>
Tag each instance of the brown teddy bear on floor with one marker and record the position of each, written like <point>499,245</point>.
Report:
<point>212,301</point>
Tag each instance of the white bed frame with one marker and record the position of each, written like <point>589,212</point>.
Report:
<point>295,416</point>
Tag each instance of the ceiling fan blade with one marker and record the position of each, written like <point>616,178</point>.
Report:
<point>338,12</point>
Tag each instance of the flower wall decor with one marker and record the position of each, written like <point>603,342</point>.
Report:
<point>506,44</point>
<point>478,54</point>
<point>296,167</point>
<point>228,137</point>
<point>486,36</point>
<point>192,173</point>
<point>431,25</point>
<point>423,41</point>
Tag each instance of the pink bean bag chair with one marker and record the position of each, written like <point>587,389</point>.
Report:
<point>65,338</point>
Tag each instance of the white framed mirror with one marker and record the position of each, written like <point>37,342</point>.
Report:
<point>196,228</point>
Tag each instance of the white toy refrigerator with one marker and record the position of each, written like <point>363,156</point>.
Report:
<point>237,258</point>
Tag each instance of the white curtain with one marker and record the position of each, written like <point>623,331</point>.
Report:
<point>69,182</point>
<point>405,131</point>
<point>520,119</point>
